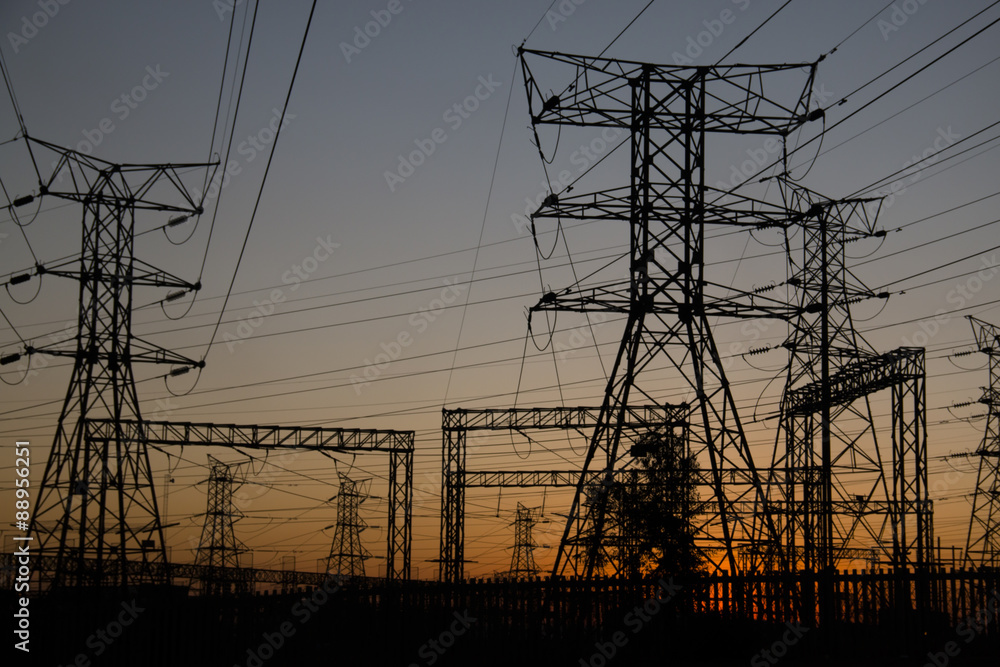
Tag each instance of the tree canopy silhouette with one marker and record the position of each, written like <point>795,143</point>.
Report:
<point>654,508</point>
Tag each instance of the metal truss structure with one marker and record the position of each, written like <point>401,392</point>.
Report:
<point>455,425</point>
<point>347,554</point>
<point>668,113</point>
<point>397,444</point>
<point>837,490</point>
<point>96,501</point>
<point>219,550</point>
<point>522,560</point>
<point>983,542</point>
<point>97,489</point>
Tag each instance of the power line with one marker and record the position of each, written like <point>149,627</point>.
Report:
<point>267,168</point>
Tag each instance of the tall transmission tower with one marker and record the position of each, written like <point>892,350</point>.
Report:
<point>218,548</point>
<point>838,485</point>
<point>982,546</point>
<point>96,510</point>
<point>830,487</point>
<point>522,560</point>
<point>347,554</point>
<point>668,113</point>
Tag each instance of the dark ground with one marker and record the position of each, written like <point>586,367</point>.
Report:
<point>152,628</point>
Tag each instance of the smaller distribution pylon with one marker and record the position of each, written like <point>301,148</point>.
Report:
<point>219,551</point>
<point>347,554</point>
<point>522,561</point>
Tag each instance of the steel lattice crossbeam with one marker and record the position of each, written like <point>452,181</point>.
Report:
<point>398,444</point>
<point>861,378</point>
<point>455,424</point>
<point>908,510</point>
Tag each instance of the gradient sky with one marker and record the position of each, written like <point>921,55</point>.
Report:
<point>407,248</point>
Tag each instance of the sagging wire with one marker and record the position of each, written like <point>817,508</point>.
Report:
<point>819,148</point>
<point>551,327</point>
<point>782,371</point>
<point>15,203</point>
<point>534,236</point>
<point>965,353</point>
<point>757,351</point>
<point>538,144</point>
<point>885,302</point>
<point>947,459</point>
<point>22,201</point>
<point>968,419</point>
<point>590,326</point>
<point>570,441</point>
<point>23,278</point>
<point>781,241</point>
<point>13,358</point>
<point>514,446</point>
<point>174,296</point>
<point>880,235</point>
<point>177,372</point>
<point>178,221</point>
<point>524,354</point>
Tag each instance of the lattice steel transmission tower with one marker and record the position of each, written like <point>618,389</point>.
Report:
<point>522,560</point>
<point>218,548</point>
<point>96,510</point>
<point>838,492</point>
<point>668,112</point>
<point>347,554</point>
<point>982,546</point>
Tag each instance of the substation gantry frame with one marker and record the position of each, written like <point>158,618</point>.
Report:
<point>456,478</point>
<point>399,445</point>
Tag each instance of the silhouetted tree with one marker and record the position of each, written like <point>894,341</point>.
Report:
<point>653,508</point>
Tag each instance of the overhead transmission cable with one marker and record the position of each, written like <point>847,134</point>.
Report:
<point>267,169</point>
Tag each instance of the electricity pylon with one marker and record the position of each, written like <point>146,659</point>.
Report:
<point>668,112</point>
<point>982,546</point>
<point>218,548</point>
<point>522,560</point>
<point>99,493</point>
<point>836,485</point>
<point>347,554</point>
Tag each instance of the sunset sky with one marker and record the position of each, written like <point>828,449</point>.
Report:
<point>357,252</point>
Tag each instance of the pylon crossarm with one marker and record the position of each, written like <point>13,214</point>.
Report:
<point>666,202</point>
<point>90,176</point>
<point>604,98</point>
